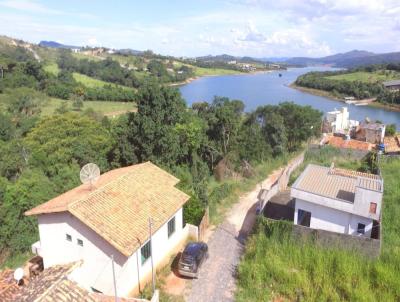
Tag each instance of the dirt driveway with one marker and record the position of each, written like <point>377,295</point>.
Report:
<point>216,280</point>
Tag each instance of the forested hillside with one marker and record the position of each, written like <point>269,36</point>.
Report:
<point>362,82</point>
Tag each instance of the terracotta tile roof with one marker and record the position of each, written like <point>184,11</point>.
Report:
<point>119,207</point>
<point>52,285</point>
<point>335,183</point>
<point>8,286</point>
<point>339,142</point>
<point>392,144</point>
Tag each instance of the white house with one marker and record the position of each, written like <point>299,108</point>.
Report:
<point>337,200</point>
<point>94,224</point>
<point>337,120</point>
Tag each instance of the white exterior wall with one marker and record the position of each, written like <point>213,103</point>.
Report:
<point>96,270</point>
<point>329,219</point>
<point>339,120</point>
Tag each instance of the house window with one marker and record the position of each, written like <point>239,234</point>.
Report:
<point>68,237</point>
<point>372,208</point>
<point>145,252</point>
<point>171,227</point>
<point>361,228</point>
<point>303,218</point>
<point>80,242</point>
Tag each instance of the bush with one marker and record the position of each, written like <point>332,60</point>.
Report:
<point>193,211</point>
<point>390,130</point>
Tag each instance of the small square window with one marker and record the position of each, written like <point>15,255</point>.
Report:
<point>361,228</point>
<point>171,227</point>
<point>80,242</point>
<point>372,208</point>
<point>68,237</point>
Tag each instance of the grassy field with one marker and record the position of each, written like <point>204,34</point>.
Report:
<point>275,268</point>
<point>200,71</point>
<point>222,195</point>
<point>89,81</point>
<point>102,107</point>
<point>51,104</point>
<point>368,77</point>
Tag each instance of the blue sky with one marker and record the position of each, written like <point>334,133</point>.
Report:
<point>260,28</point>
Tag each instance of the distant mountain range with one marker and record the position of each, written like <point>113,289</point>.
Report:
<point>348,59</point>
<point>53,44</point>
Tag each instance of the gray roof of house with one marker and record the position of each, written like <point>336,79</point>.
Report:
<point>391,83</point>
<point>336,183</point>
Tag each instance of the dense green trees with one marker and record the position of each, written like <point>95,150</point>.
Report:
<point>30,74</point>
<point>31,189</point>
<point>67,139</point>
<point>41,157</point>
<point>357,89</point>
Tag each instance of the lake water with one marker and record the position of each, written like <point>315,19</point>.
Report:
<point>268,88</point>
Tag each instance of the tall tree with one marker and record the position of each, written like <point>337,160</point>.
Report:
<point>67,139</point>
<point>160,108</point>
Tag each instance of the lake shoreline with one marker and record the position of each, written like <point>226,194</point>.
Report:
<point>328,95</point>
<point>239,73</point>
<point>267,87</point>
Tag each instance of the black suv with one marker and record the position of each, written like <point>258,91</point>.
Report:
<point>191,259</point>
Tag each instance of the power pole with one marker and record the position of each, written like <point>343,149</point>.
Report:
<point>151,256</point>
<point>115,282</point>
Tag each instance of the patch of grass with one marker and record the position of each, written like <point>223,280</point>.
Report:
<point>222,195</point>
<point>95,83</point>
<point>368,77</point>
<point>80,55</point>
<point>201,71</point>
<point>276,267</point>
<point>102,107</point>
<point>52,68</point>
<point>325,156</point>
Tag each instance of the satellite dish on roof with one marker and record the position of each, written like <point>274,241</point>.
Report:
<point>19,274</point>
<point>90,173</point>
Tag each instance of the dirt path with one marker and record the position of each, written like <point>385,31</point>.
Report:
<point>216,280</point>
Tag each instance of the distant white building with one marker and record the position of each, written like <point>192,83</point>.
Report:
<point>76,50</point>
<point>337,120</point>
<point>338,200</point>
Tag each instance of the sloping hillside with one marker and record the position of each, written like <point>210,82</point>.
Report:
<point>349,59</point>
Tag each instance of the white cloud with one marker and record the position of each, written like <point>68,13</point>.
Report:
<point>29,6</point>
<point>244,27</point>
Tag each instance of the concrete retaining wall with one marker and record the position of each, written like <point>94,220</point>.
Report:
<point>282,181</point>
<point>366,246</point>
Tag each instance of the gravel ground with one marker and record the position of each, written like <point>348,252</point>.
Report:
<point>216,281</point>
